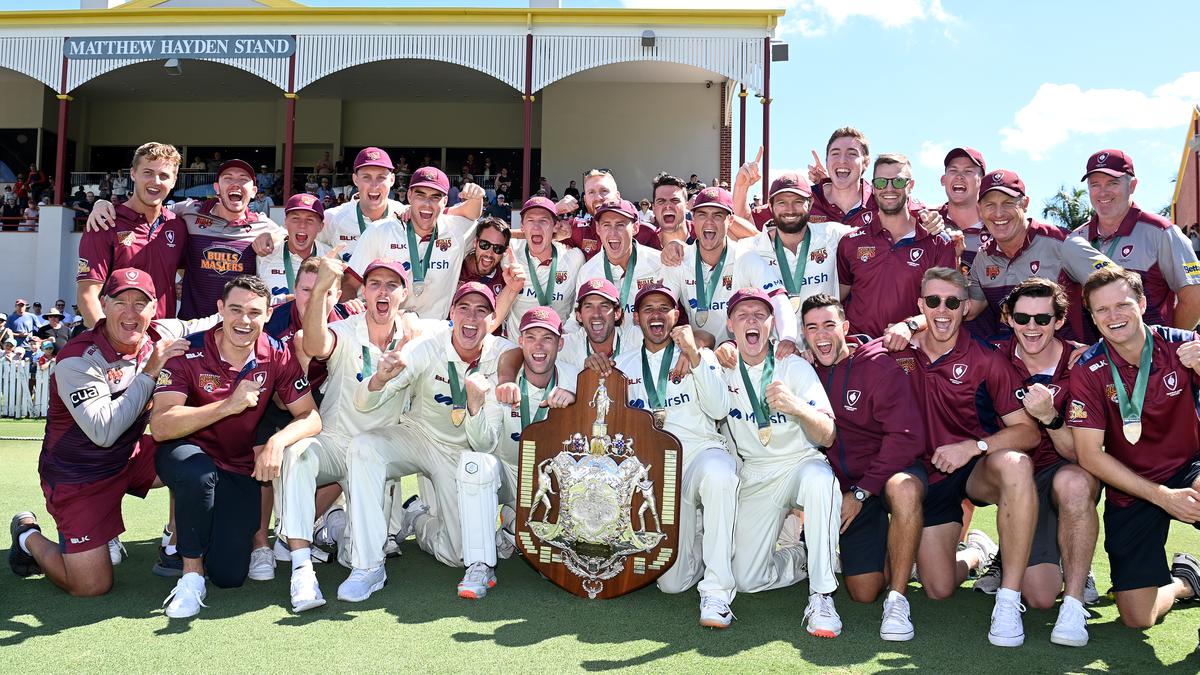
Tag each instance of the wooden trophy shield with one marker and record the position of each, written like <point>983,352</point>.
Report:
<point>598,493</point>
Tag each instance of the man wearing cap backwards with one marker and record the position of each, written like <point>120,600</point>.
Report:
<point>779,419</point>
<point>881,263</point>
<point>713,267</point>
<point>878,459</point>
<point>688,407</point>
<point>1139,437</point>
<point>549,267</point>
<point>628,264</point>
<point>304,220</point>
<point>93,453</point>
<point>206,407</point>
<point>431,245</point>
<point>1141,241</point>
<point>445,380</point>
<point>146,236</point>
<point>544,382</point>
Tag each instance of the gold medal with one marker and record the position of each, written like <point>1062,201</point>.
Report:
<point>457,415</point>
<point>797,301</point>
<point>764,435</point>
<point>702,317</point>
<point>418,287</point>
<point>1132,431</point>
<point>660,417</point>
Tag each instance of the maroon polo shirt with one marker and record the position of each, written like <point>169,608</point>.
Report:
<point>155,248</point>
<point>204,377</point>
<point>885,276</point>
<point>879,430</point>
<point>824,211</point>
<point>584,236</point>
<point>1170,433</point>
<point>965,393</point>
<point>1044,455</point>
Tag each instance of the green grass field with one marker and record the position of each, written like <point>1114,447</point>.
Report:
<point>417,623</point>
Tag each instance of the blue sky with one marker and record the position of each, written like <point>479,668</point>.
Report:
<point>1037,86</point>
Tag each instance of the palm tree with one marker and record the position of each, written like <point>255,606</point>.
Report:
<point>1069,207</point>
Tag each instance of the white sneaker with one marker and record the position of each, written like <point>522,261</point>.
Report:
<point>1007,628</point>
<point>306,592</point>
<point>1091,595</point>
<point>281,551</point>
<point>897,622</point>
<point>332,528</point>
<point>988,550</point>
<point>116,550</point>
<point>262,564</point>
<point>477,580</point>
<point>187,597</point>
<point>820,617</point>
<point>362,583</point>
<point>1070,630</point>
<point>413,508</point>
<point>715,612</point>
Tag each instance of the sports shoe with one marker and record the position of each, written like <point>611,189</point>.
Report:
<point>1091,595</point>
<point>475,583</point>
<point>168,564</point>
<point>187,597</point>
<point>897,621</point>
<point>797,558</point>
<point>22,563</point>
<point>1184,566</point>
<point>280,550</point>
<point>332,528</point>
<point>988,550</point>
<point>820,618</point>
<point>715,612</point>
<point>116,550</point>
<point>362,583</point>
<point>414,506</point>
<point>306,592</point>
<point>989,581</point>
<point>262,564</point>
<point>1007,628</point>
<point>1070,630</point>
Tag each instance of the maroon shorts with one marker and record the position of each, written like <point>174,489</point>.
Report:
<point>88,515</point>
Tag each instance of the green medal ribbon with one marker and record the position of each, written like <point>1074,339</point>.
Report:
<point>542,412</point>
<point>793,280</point>
<point>544,295</point>
<point>288,270</point>
<point>629,274</point>
<point>762,412</point>
<point>1131,407</point>
<point>368,369</point>
<point>656,389</point>
<point>703,294</point>
<point>1112,248</point>
<point>362,221</point>
<point>616,344</point>
<point>419,265</point>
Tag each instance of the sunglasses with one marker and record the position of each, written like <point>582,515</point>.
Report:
<point>899,182</point>
<point>1022,319</point>
<point>485,245</point>
<point>935,301</point>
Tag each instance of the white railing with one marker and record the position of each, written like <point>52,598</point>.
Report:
<point>19,397</point>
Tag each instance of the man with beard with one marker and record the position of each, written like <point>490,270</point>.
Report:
<point>625,262</point>
<point>1141,241</point>
<point>688,407</point>
<point>94,452</point>
<point>493,243</point>
<point>779,419</point>
<point>878,458</point>
<point>146,236</point>
<point>303,219</point>
<point>547,267</point>
<point>373,180</point>
<point>880,264</point>
<point>206,406</point>
<point>965,387</point>
<point>452,410</point>
<point>1139,436</point>
<point>431,245</point>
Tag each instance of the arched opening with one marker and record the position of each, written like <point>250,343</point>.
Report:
<point>27,146</point>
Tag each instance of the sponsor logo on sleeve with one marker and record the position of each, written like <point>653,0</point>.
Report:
<point>84,266</point>
<point>80,396</point>
<point>164,378</point>
<point>1077,411</point>
<point>1192,269</point>
<point>301,384</point>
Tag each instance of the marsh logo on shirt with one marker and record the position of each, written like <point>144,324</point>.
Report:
<point>818,256</point>
<point>865,253</point>
<point>222,260</point>
<point>209,382</point>
<point>957,371</point>
<point>1035,266</point>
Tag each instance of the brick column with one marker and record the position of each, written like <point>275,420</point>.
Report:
<point>725,138</point>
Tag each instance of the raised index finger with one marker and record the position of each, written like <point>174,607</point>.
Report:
<point>816,158</point>
<point>758,157</point>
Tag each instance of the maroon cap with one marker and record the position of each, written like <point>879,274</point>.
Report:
<point>128,278</point>
<point>373,157</point>
<point>541,317</point>
<point>714,197</point>
<point>601,287</point>
<point>749,293</point>
<point>540,203</point>
<point>304,202</point>
<point>1111,162</point>
<point>235,164</point>
<point>1003,180</point>
<point>475,287</point>
<point>623,207</point>
<point>789,182</point>
<point>430,177</point>
<point>385,264</point>
<point>972,154</point>
<point>650,290</point>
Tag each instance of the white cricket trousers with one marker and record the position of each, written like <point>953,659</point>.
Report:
<point>707,506</point>
<point>311,462</point>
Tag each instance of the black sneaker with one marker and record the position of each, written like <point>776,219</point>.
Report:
<point>168,565</point>
<point>1184,566</point>
<point>22,564</point>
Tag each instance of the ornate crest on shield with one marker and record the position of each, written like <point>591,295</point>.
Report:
<point>597,513</point>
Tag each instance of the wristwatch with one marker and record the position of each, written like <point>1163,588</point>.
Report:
<point>912,324</point>
<point>859,493</point>
<point>1054,424</point>
<point>982,445</point>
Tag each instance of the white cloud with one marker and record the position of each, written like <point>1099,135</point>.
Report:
<point>932,155</point>
<point>1059,111</point>
<point>812,18</point>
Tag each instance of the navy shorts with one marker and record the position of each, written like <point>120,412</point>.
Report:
<point>943,500</point>
<point>1135,538</point>
<point>864,544</point>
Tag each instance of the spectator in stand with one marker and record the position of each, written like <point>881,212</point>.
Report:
<point>37,183</point>
<point>328,201</point>
<point>265,179</point>
<point>545,186</point>
<point>55,330</point>
<point>325,166</point>
<point>645,213</point>
<point>30,218</point>
<point>21,189</point>
<point>120,187</point>
<point>68,317</point>
<point>694,185</point>
<point>46,355</point>
<point>21,322</point>
<point>341,198</point>
<point>198,164</point>
<point>10,213</point>
<point>501,209</point>
<point>452,196</point>
<point>77,196</point>
<point>84,206</point>
<point>6,333</point>
<point>488,171</point>
<point>311,185</point>
<point>324,189</point>
<point>105,187</point>
<point>402,170</point>
<point>262,203</point>
<point>571,191</point>
<point>10,350</point>
<point>501,179</point>
<point>36,310</point>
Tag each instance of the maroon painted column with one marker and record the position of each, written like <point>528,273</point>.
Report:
<point>766,117</point>
<point>289,139</point>
<point>60,155</point>
<point>527,153</point>
<point>742,126</point>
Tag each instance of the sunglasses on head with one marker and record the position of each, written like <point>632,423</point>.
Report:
<point>899,182</point>
<point>1022,319</point>
<point>935,301</point>
<point>485,245</point>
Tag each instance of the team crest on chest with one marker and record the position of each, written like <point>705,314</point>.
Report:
<point>819,256</point>
<point>1171,379</point>
<point>126,238</point>
<point>867,217</point>
<point>1126,250</point>
<point>852,397</point>
<point>1035,266</point>
<point>914,254</point>
<point>260,378</point>
<point>957,371</point>
<point>727,282</point>
<point>560,277</point>
<point>209,382</point>
<point>1110,390</point>
<point>992,271</point>
<point>907,364</point>
<point>865,253</point>
<point>443,244</point>
<point>170,235</point>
